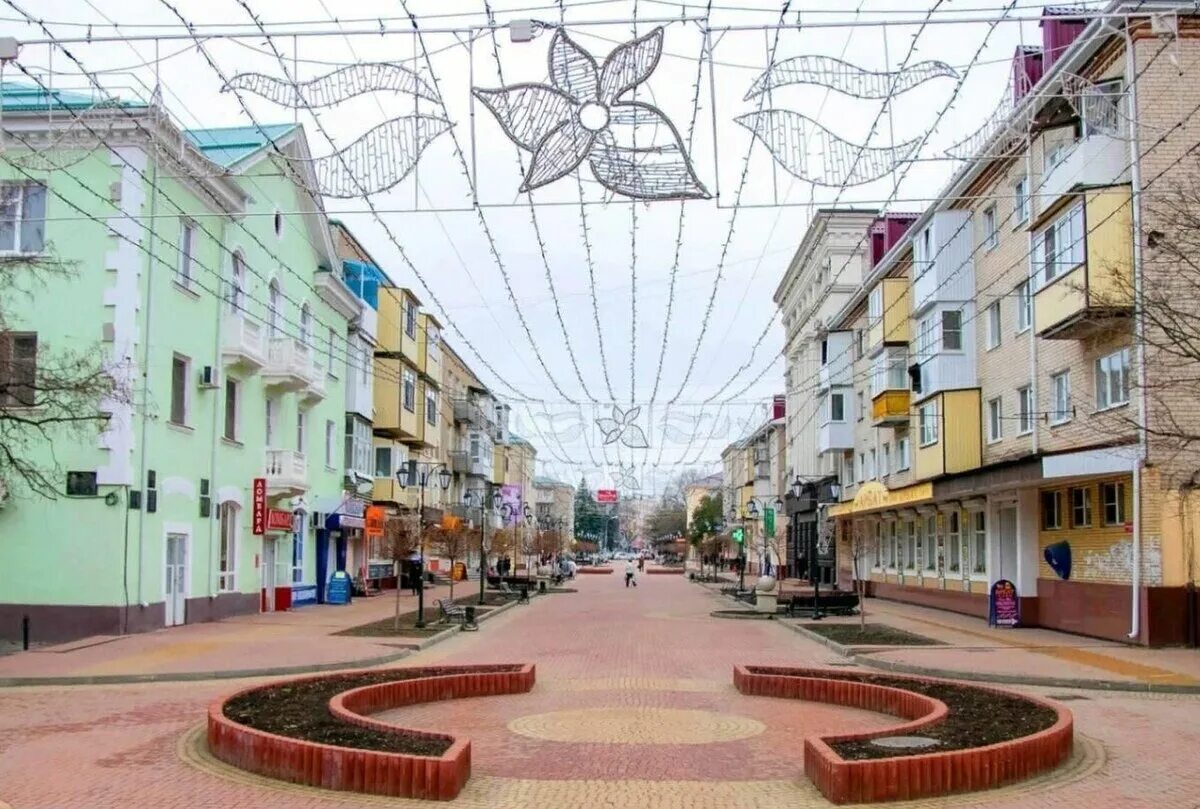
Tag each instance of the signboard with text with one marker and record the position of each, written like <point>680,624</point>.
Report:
<point>373,521</point>
<point>279,520</point>
<point>1004,609</point>
<point>258,512</point>
<point>769,522</point>
<point>606,495</point>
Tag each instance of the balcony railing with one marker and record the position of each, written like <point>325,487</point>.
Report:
<point>285,469</point>
<point>289,363</point>
<point>1099,160</point>
<point>242,342</point>
<point>315,390</point>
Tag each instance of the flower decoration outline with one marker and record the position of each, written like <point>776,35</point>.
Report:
<point>580,116</point>
<point>623,427</point>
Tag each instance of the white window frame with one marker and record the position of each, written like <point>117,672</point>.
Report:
<point>1026,412</point>
<point>995,419</point>
<point>187,253</point>
<point>1024,293</point>
<point>1117,501</point>
<point>306,320</point>
<point>1060,384</point>
<point>927,420</point>
<point>1020,202</point>
<point>410,318</point>
<point>911,531</point>
<point>872,465</point>
<point>408,391</point>
<point>185,393</point>
<point>22,191</point>
<point>861,469</point>
<point>237,282</point>
<point>885,460</point>
<point>903,454</point>
<point>298,556</point>
<point>1068,250</point>
<point>991,233</point>
<point>1080,505</point>
<point>945,330</point>
<point>840,397</point>
<point>274,312</point>
<point>226,433</point>
<point>979,543</point>
<point>330,434</point>
<point>926,340</point>
<point>862,405</point>
<point>993,325</point>
<point>301,432</point>
<point>228,517</point>
<point>875,306</point>
<point>930,548</point>
<point>1116,363</point>
<point>271,411</point>
<point>431,407</point>
<point>953,542</point>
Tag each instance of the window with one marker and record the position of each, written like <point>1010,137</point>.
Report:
<point>409,392</point>
<point>1101,108</point>
<point>179,389</point>
<point>1061,385</point>
<point>410,318</point>
<point>237,284</point>
<point>890,545</point>
<point>1059,248</point>
<point>232,406</point>
<point>1112,500</point>
<point>305,324</point>
<point>431,413</point>
<point>862,406</point>
<point>995,420</point>
<point>187,246</point>
<point>859,344</point>
<point>862,467</point>
<point>1112,380</point>
<point>383,462</point>
<point>884,460</point>
<point>953,543</point>
<point>925,260</point>
<point>991,237</point>
<point>1081,508</point>
<point>926,342</point>
<point>952,330</point>
<point>875,306</point>
<point>272,411</point>
<point>993,325</point>
<point>332,362</point>
<point>1051,511</point>
<point>22,218</point>
<point>1025,412</point>
<point>329,434</point>
<point>979,545</point>
<point>301,430</point>
<point>227,515</point>
<point>871,465</point>
<point>298,557</point>
<point>274,316</point>
<point>358,445</point>
<point>931,542</point>
<point>18,369</point>
<point>837,407</point>
<point>927,416</point>
<point>902,455</point>
<point>1021,201</point>
<point>910,542</point>
<point>824,352</point>
<point>1057,154</point>
<point>1024,307</point>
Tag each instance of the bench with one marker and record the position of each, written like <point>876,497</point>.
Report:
<point>362,587</point>
<point>452,612</point>
<point>836,603</point>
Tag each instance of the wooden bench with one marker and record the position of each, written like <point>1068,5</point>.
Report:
<point>452,612</point>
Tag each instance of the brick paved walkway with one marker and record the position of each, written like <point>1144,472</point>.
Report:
<point>581,739</point>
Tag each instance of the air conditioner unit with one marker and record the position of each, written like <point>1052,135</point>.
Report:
<point>208,377</point>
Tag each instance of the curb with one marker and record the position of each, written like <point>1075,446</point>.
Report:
<point>865,659</point>
<point>237,674</point>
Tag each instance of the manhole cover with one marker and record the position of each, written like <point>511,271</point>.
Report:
<point>904,742</point>
<point>1067,697</point>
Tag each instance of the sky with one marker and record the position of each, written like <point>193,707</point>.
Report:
<point>527,309</point>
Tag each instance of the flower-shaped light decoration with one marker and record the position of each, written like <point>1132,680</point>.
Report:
<point>625,479</point>
<point>622,427</point>
<point>632,147</point>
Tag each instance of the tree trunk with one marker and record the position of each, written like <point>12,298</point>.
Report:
<point>396,620</point>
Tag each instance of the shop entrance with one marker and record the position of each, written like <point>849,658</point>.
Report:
<point>174,578</point>
<point>268,575</point>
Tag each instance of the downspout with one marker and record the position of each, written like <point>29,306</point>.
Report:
<point>217,434</point>
<point>1139,340</point>
<point>1031,197</point>
<point>150,273</point>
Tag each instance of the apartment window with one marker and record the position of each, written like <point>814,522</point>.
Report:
<point>18,369</point>
<point>885,460</point>
<point>297,557</point>
<point>993,325</point>
<point>383,462</point>
<point>180,372</point>
<point>227,516</point>
<point>837,407</point>
<point>1081,508</point>
<point>926,341</point>
<point>927,417</point>
<point>329,435</point>
<point>1061,385</point>
<point>824,352</point>
<point>931,542</point>
<point>232,407</point>
<point>859,344</point>
<point>1057,154</point>
<point>979,544</point>
<point>875,306</point>
<point>187,246</point>
<point>301,430</point>
<point>995,420</point>
<point>1025,414</point>
<point>22,218</point>
<point>1112,500</point>
<point>862,406</point>
<point>1024,307</point>
<point>871,467</point>
<point>1112,380</point>
<point>410,318</point>
<point>274,316</point>
<point>1021,201</point>
<point>332,340</point>
<point>862,467</point>
<point>409,391</point>
<point>902,454</point>
<point>272,412</point>
<point>952,330</point>
<point>890,546</point>
<point>1051,511</point>
<point>305,324</point>
<point>1059,248</point>
<point>991,237</point>
<point>431,414</point>
<point>953,542</point>
<point>925,260</point>
<point>358,445</point>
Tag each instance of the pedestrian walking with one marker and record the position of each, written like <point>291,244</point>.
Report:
<point>630,573</point>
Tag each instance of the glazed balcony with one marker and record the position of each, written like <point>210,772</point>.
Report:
<point>242,342</point>
<point>1095,161</point>
<point>286,470</point>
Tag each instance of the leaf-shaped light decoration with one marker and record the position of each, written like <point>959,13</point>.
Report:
<point>846,78</point>
<point>811,152</point>
<point>379,159</point>
<point>642,155</point>
<point>335,86</point>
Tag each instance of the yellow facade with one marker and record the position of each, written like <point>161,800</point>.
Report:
<point>892,327</point>
<point>890,406</point>
<point>387,395</point>
<point>1099,552</point>
<point>429,361</point>
<point>959,444</point>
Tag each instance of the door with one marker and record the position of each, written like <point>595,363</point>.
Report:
<point>268,574</point>
<point>1008,544</point>
<point>174,577</point>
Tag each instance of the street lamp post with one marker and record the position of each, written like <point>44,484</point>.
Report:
<point>823,541</point>
<point>484,514</point>
<point>754,510</point>
<point>424,474</point>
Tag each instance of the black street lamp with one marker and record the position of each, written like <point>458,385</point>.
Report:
<point>484,513</point>
<point>424,474</point>
<point>823,540</point>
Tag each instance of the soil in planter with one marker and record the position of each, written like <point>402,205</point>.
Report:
<point>386,627</point>
<point>974,718</point>
<point>872,635</point>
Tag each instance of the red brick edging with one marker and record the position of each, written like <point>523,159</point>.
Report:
<point>905,777</point>
<point>594,570</point>
<point>665,571</point>
<point>348,769</point>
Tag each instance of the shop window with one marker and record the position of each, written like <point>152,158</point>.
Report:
<point>910,546</point>
<point>931,537</point>
<point>1081,508</point>
<point>979,545</point>
<point>1112,495</point>
<point>1051,511</point>
<point>227,516</point>
<point>953,542</point>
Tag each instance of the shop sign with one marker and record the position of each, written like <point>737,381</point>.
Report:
<point>769,522</point>
<point>279,520</point>
<point>874,495</point>
<point>258,519</point>
<point>374,522</point>
<point>1004,609</point>
<point>606,495</point>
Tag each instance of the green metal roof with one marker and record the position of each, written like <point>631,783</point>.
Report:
<point>230,145</point>
<point>22,97</point>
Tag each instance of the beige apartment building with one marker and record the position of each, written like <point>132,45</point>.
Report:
<point>754,483</point>
<point>983,397</point>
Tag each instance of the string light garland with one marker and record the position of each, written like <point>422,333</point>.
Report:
<point>336,86</point>
<point>847,78</point>
<point>378,160</point>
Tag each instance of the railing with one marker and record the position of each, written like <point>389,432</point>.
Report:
<point>316,380</point>
<point>289,357</point>
<point>460,462</point>
<point>285,467</point>
<point>244,337</point>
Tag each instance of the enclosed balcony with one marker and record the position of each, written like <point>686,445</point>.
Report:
<point>1098,160</point>
<point>889,388</point>
<point>835,436</point>
<point>888,308</point>
<point>286,471</point>
<point>837,360</point>
<point>289,364</point>
<point>242,342</point>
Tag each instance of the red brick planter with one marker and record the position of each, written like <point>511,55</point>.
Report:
<point>594,570</point>
<point>920,775</point>
<point>665,571</point>
<point>347,769</point>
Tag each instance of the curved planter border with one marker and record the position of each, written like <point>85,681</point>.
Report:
<point>920,775</point>
<point>665,571</point>
<point>592,571</point>
<point>371,771</point>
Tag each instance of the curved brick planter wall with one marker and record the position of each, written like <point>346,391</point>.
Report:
<point>594,570</point>
<point>342,768</point>
<point>905,777</point>
<point>665,571</point>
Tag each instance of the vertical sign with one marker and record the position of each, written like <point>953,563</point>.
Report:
<point>769,522</point>
<point>258,518</point>
<point>373,523</point>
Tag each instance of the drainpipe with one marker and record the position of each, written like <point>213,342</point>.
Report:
<point>1139,340</point>
<point>217,433</point>
<point>146,333</point>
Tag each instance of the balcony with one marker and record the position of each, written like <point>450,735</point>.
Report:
<point>242,342</point>
<point>837,360</point>
<point>762,470</point>
<point>1098,160</point>
<point>943,262</point>
<point>888,314</point>
<point>289,364</point>
<point>835,436</point>
<point>286,471</point>
<point>315,390</point>
<point>889,408</point>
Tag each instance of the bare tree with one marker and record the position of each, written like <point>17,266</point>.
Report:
<point>401,535</point>
<point>452,543</point>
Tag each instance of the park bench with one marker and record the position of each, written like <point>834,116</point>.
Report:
<point>451,612</point>
<point>835,603</point>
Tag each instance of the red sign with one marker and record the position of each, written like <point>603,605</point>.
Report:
<point>606,495</point>
<point>374,521</point>
<point>258,513</point>
<point>279,520</point>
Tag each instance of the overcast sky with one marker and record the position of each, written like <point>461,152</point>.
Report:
<point>450,249</point>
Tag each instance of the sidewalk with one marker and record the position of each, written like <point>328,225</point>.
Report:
<point>245,643</point>
<point>972,649</point>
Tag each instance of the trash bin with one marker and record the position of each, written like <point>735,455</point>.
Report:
<point>469,622</point>
<point>542,586</point>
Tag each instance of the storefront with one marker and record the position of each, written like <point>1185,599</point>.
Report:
<point>340,542</point>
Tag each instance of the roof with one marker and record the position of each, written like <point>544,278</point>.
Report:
<point>23,97</point>
<point>551,483</point>
<point>227,146</point>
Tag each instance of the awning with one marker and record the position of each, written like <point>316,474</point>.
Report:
<point>1107,461</point>
<point>341,522</point>
<point>875,496</point>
